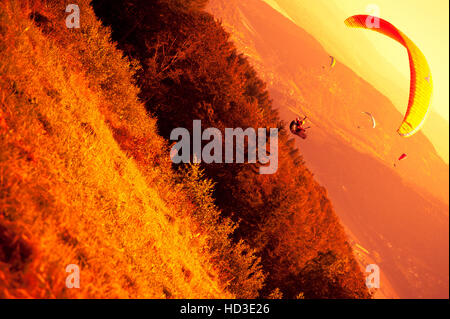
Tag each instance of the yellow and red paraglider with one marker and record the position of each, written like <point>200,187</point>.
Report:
<point>332,61</point>
<point>421,85</point>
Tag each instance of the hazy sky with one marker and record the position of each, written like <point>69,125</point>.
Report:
<point>426,22</point>
<point>378,59</point>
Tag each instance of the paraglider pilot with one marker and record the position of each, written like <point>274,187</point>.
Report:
<point>297,127</point>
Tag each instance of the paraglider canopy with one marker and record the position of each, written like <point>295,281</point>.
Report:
<point>332,61</point>
<point>403,156</point>
<point>421,85</point>
<point>374,123</point>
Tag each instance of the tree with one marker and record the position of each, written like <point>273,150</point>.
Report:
<point>190,70</point>
<point>186,4</point>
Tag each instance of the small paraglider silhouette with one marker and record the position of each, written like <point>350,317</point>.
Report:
<point>332,62</point>
<point>374,123</point>
<point>402,157</point>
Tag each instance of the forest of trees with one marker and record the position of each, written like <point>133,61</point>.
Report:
<point>188,69</point>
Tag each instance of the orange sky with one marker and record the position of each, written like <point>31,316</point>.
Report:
<point>427,24</point>
<point>379,59</point>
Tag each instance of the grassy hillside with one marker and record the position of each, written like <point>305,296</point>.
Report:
<point>85,177</point>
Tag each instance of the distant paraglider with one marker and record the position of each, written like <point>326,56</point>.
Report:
<point>402,157</point>
<point>374,123</point>
<point>421,85</point>
<point>332,62</point>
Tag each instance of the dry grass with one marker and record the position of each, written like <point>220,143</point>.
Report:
<point>71,192</point>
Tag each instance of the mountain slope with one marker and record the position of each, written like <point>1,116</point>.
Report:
<point>399,213</point>
<point>191,71</point>
<point>70,192</point>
